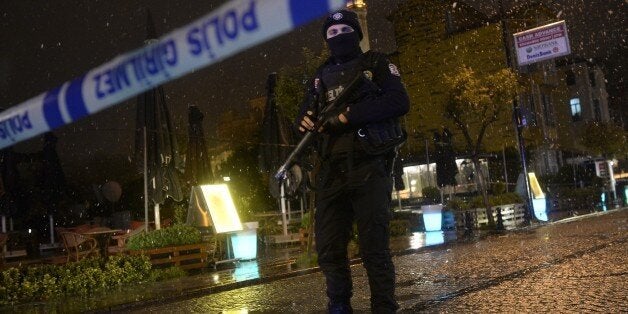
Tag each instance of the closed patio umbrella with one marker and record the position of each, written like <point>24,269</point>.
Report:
<point>197,163</point>
<point>277,143</point>
<point>156,145</point>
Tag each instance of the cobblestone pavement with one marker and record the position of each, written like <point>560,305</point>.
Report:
<point>578,265</point>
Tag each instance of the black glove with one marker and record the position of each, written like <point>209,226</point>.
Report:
<point>333,125</point>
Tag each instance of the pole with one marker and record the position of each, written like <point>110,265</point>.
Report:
<point>517,117</point>
<point>505,168</point>
<point>427,157</point>
<point>145,183</point>
<point>52,230</point>
<point>283,209</point>
<point>157,218</point>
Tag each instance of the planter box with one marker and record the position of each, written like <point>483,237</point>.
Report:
<point>191,256</point>
<point>512,215</point>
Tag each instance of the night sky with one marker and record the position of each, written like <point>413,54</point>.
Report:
<point>45,43</point>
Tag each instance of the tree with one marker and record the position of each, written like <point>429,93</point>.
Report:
<point>292,82</point>
<point>248,188</point>
<point>475,103</point>
<point>604,139</point>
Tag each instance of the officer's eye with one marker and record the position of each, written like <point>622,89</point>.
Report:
<point>332,32</point>
<point>346,29</point>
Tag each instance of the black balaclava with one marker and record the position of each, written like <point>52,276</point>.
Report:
<point>345,47</point>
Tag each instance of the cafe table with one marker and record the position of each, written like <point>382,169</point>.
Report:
<point>102,235</point>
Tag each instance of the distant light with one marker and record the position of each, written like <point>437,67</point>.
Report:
<point>239,311</point>
<point>226,179</point>
<point>356,4</point>
<point>537,192</point>
<point>30,230</point>
<point>539,205</point>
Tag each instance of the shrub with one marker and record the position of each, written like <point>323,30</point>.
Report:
<point>505,198</point>
<point>577,198</point>
<point>431,195</point>
<point>178,234</point>
<point>167,273</point>
<point>44,282</point>
<point>399,227</point>
<point>457,204</point>
<point>306,260</point>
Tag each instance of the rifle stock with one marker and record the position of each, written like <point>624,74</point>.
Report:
<point>309,137</point>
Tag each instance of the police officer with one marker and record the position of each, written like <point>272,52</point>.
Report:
<point>354,180</point>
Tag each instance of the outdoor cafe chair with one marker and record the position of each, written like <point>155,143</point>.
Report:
<point>123,238</point>
<point>78,246</point>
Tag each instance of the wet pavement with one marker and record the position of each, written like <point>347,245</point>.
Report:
<point>576,265</point>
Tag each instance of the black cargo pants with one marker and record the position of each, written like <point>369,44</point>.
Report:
<point>359,191</point>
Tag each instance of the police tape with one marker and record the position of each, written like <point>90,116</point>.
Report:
<point>232,28</point>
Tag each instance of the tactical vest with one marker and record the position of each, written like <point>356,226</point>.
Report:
<point>335,78</point>
<point>372,139</point>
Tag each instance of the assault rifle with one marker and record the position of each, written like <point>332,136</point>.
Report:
<point>323,118</point>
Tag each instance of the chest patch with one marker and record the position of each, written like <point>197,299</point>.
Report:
<point>393,69</point>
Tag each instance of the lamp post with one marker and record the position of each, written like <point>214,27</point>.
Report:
<point>517,118</point>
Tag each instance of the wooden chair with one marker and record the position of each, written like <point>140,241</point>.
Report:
<point>79,246</point>
<point>123,238</point>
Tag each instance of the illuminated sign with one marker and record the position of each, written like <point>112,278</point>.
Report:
<point>542,43</point>
<point>212,205</point>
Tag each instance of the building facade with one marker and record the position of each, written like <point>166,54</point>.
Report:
<point>556,96</point>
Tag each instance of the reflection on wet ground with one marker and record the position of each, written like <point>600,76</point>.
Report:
<point>272,263</point>
<point>577,266</point>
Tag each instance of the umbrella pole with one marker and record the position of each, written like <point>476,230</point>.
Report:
<point>283,208</point>
<point>157,219</point>
<point>52,229</point>
<point>145,183</point>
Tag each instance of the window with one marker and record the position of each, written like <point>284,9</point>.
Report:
<point>576,111</point>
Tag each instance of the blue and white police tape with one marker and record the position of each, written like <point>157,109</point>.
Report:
<point>232,28</point>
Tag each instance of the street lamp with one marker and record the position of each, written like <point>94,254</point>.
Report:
<point>517,117</point>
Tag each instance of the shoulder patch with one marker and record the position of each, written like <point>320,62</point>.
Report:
<point>393,69</point>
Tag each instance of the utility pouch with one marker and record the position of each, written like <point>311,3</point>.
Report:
<point>381,137</point>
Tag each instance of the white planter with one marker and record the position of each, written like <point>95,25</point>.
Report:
<point>244,242</point>
<point>432,217</point>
